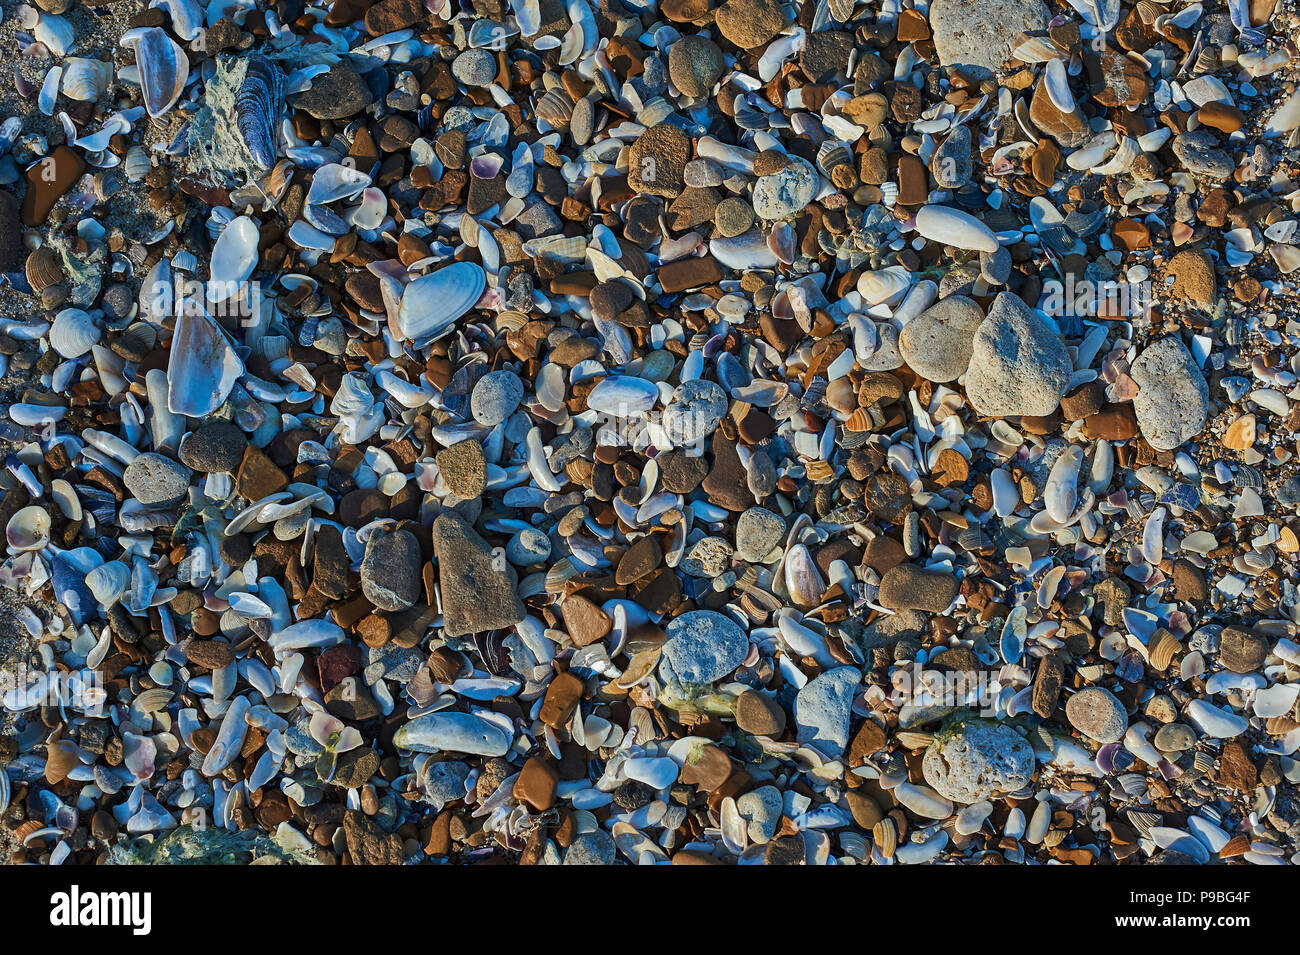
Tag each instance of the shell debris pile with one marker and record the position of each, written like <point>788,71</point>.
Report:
<point>676,432</point>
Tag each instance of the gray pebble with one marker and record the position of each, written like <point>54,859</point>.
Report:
<point>496,397</point>
<point>157,481</point>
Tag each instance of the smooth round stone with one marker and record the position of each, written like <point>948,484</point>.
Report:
<point>758,532</point>
<point>216,447</point>
<point>656,772</point>
<point>784,194</point>
<point>528,547</point>
<point>1174,738</point>
<point>695,64</point>
<point>981,760</point>
<point>475,68</point>
<point>156,480</point>
<point>496,397</point>
<point>703,646</point>
<point>449,731</point>
<point>1097,714</point>
<point>759,714</point>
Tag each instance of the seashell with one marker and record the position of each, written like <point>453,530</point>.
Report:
<point>335,181</point>
<point>108,582</point>
<point>73,333</point>
<point>955,228</point>
<point>258,104</point>
<point>1056,81</point>
<point>84,79</point>
<point>432,303</point>
<point>556,108</point>
<point>28,529</point>
<point>832,154</point>
<point>202,367</point>
<point>803,578</point>
<point>55,32</point>
<point>885,286</point>
<point>748,251</point>
<point>885,835</point>
<point>1162,649</point>
<point>623,395</point>
<point>1121,161</point>
<point>186,16</point>
<point>162,64</point>
<point>234,256</point>
<point>44,268</point>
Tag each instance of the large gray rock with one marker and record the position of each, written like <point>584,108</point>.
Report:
<point>390,570</point>
<point>1173,399</point>
<point>479,591</point>
<point>1018,365</point>
<point>981,760</point>
<point>937,343</point>
<point>978,35</point>
<point>703,646</point>
<point>823,710</point>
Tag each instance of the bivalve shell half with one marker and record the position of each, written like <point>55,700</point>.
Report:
<point>43,269</point>
<point>432,303</point>
<point>1163,648</point>
<point>162,64</point>
<point>234,256</point>
<point>28,529</point>
<point>73,333</point>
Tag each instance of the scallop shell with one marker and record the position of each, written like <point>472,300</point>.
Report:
<point>1162,650</point>
<point>258,104</point>
<point>432,303</point>
<point>28,529</point>
<point>556,107</point>
<point>44,268</point>
<point>162,65</point>
<point>73,333</point>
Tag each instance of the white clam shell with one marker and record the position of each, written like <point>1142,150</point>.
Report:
<point>234,256</point>
<point>432,303</point>
<point>85,79</point>
<point>336,181</point>
<point>884,286</point>
<point>73,333</point>
<point>108,582</point>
